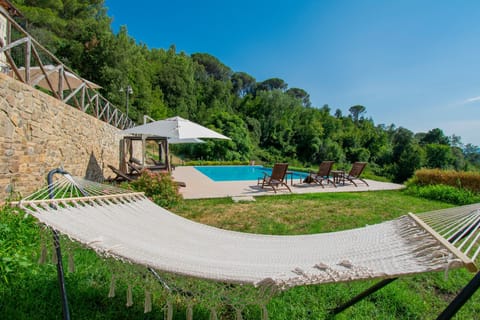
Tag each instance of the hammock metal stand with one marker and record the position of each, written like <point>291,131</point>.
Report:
<point>362,296</point>
<point>460,299</point>
<point>61,276</point>
<point>58,250</point>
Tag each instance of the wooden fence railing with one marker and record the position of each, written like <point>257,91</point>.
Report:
<point>29,62</point>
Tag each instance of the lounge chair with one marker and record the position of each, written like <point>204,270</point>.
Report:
<point>159,164</point>
<point>135,160</point>
<point>323,174</point>
<point>154,162</point>
<point>120,175</point>
<point>277,178</point>
<point>132,176</point>
<point>134,168</point>
<point>355,172</point>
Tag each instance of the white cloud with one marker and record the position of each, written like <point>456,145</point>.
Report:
<point>474,99</point>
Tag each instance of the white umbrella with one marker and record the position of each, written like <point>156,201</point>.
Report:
<point>188,140</point>
<point>175,128</point>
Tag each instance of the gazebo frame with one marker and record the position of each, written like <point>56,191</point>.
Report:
<point>127,152</point>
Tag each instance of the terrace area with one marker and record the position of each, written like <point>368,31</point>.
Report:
<point>199,186</point>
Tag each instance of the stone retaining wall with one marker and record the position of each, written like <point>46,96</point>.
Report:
<point>39,133</point>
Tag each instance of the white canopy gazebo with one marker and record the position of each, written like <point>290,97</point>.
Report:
<point>174,130</point>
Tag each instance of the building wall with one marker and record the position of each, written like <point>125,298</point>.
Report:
<point>39,133</point>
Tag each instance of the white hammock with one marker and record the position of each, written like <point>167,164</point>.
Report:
<point>130,227</point>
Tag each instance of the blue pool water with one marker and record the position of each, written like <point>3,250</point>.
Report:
<point>240,173</point>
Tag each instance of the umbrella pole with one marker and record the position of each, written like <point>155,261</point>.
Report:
<point>144,149</point>
<point>167,157</point>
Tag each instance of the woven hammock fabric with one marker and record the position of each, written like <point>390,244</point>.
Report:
<point>131,227</point>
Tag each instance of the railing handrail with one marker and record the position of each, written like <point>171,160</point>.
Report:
<point>79,96</point>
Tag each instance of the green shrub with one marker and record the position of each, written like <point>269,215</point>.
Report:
<point>17,238</point>
<point>159,186</point>
<point>443,193</point>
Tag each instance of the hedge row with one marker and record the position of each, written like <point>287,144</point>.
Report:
<point>461,179</point>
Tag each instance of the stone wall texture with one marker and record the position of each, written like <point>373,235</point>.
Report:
<point>39,133</point>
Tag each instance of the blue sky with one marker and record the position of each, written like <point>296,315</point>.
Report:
<point>414,63</point>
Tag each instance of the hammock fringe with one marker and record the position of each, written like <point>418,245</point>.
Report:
<point>111,292</point>
<point>71,263</point>
<point>148,302</point>
<point>43,254</point>
<point>129,296</point>
<point>168,313</point>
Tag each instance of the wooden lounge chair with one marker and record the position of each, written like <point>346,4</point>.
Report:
<point>323,174</point>
<point>134,168</point>
<point>159,165</point>
<point>277,178</point>
<point>130,177</point>
<point>120,175</point>
<point>135,160</point>
<point>355,172</point>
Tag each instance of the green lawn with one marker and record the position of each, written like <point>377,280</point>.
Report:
<point>32,292</point>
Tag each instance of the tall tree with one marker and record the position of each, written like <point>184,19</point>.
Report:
<point>128,64</point>
<point>472,154</point>
<point>439,156</point>
<point>300,94</point>
<point>272,84</point>
<point>69,29</point>
<point>175,77</point>
<point>407,156</point>
<point>435,136</point>
<point>213,66</point>
<point>356,111</point>
<point>243,84</point>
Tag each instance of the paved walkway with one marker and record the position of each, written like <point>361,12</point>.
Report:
<point>200,186</point>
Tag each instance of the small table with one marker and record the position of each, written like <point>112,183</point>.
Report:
<point>338,176</point>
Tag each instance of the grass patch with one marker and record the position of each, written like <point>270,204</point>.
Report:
<point>305,213</point>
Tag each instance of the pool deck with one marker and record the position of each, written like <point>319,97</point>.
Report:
<point>200,186</point>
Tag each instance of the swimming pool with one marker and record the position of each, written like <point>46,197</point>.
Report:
<point>240,173</point>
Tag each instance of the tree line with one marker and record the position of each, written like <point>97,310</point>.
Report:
<point>266,120</point>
